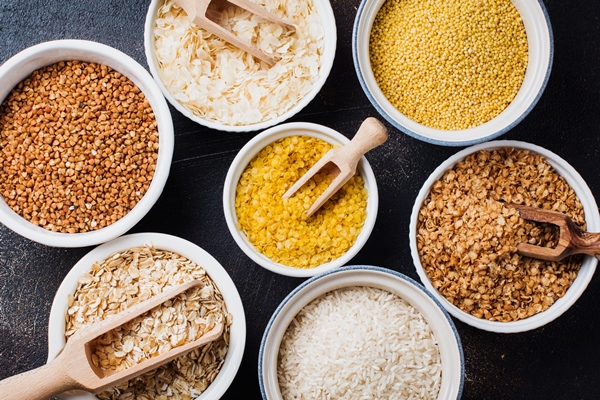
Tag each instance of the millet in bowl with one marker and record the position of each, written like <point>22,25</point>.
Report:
<point>456,72</point>
<point>275,232</point>
<point>463,240</point>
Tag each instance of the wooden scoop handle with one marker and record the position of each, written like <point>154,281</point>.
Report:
<point>586,243</point>
<point>371,134</point>
<point>572,240</point>
<point>42,382</point>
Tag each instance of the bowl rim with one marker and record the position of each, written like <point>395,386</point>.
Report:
<point>472,135</point>
<point>374,276</point>
<point>22,64</point>
<point>327,16</point>
<point>584,275</point>
<point>56,323</point>
<point>258,143</point>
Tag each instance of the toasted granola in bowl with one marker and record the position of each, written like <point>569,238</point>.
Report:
<point>463,239</point>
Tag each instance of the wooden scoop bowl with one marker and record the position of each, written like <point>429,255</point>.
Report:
<point>198,11</point>
<point>73,368</point>
<point>572,240</point>
<point>341,162</point>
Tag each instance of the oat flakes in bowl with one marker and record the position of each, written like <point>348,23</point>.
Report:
<point>130,269</point>
<point>463,241</point>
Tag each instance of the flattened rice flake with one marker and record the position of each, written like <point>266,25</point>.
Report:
<point>278,228</point>
<point>221,83</point>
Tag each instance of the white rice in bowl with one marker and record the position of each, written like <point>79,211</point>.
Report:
<point>218,82</point>
<point>359,343</point>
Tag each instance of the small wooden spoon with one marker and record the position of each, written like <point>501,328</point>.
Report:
<point>197,11</point>
<point>572,240</point>
<point>341,162</point>
<point>73,368</point>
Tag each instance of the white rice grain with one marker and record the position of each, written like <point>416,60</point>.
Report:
<point>359,343</point>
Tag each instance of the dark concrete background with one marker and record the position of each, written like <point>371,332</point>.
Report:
<point>558,361</point>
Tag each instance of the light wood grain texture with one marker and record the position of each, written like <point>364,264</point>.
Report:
<point>73,368</point>
<point>341,162</point>
<point>198,11</point>
<point>572,240</point>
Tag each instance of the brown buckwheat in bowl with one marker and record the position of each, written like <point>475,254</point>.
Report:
<point>463,240</point>
<point>86,141</point>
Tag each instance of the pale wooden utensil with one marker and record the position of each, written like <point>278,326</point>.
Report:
<point>572,240</point>
<point>198,11</point>
<point>73,368</point>
<point>341,162</point>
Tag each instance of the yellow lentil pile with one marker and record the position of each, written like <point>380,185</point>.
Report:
<point>278,228</point>
<point>467,239</point>
<point>78,147</point>
<point>452,64</point>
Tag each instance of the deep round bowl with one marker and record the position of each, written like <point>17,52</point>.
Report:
<point>592,218</point>
<point>244,157</point>
<point>452,359</point>
<point>56,325</point>
<point>541,52</point>
<point>330,42</point>
<point>22,65</point>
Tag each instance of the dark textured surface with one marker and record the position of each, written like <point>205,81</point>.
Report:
<point>559,361</point>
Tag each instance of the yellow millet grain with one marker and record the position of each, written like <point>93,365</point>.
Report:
<point>452,64</point>
<point>279,228</point>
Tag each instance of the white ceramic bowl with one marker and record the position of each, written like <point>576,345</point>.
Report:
<point>592,218</point>
<point>330,42</point>
<point>244,157</point>
<point>56,325</point>
<point>23,64</point>
<point>453,366</point>
<point>541,52</point>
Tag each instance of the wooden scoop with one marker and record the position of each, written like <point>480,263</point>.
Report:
<point>341,162</point>
<point>73,368</point>
<point>572,240</point>
<point>198,11</point>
